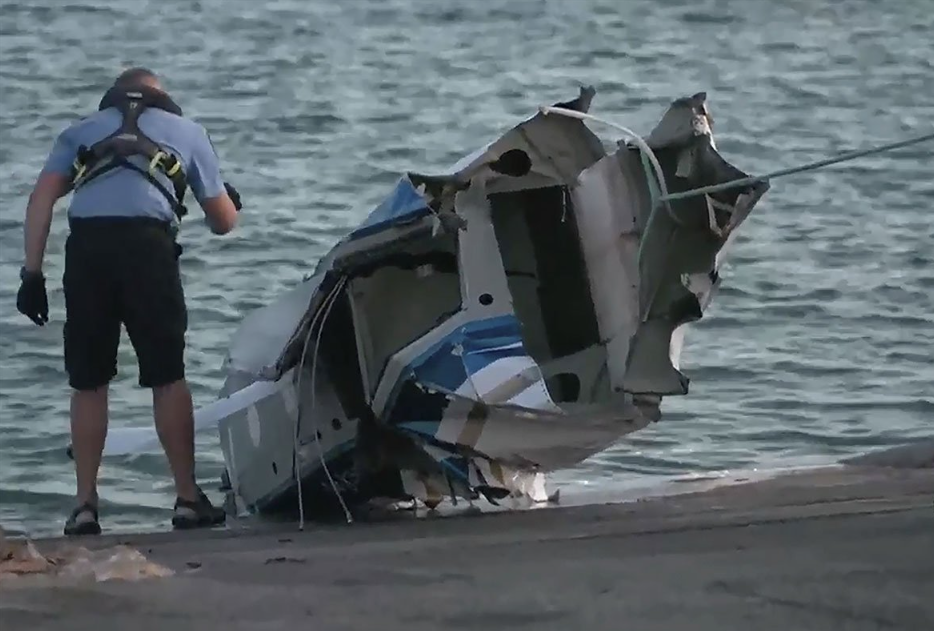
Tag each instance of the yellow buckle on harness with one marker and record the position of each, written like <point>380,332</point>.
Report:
<point>79,169</point>
<point>156,160</point>
<point>159,160</point>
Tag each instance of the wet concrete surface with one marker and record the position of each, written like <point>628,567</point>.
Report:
<point>848,547</point>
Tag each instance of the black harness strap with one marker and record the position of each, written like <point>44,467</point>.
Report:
<point>115,150</point>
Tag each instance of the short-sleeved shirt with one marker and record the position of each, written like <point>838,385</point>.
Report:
<point>124,192</point>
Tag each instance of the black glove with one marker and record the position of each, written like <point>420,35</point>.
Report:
<point>234,196</point>
<point>31,299</point>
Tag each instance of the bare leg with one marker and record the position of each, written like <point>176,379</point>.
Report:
<point>88,433</point>
<point>172,408</point>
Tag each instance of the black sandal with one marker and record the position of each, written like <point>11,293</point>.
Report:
<point>83,521</point>
<point>197,514</point>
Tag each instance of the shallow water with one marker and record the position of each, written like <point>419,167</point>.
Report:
<point>819,345</point>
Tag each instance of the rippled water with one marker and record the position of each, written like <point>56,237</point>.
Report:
<point>820,344</point>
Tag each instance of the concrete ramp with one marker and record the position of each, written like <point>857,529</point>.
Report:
<point>847,547</point>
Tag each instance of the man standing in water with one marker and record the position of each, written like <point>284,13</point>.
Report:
<point>128,165</point>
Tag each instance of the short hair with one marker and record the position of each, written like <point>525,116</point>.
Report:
<point>135,77</point>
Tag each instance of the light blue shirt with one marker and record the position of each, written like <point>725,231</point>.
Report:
<point>123,192</point>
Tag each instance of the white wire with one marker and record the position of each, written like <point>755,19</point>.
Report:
<point>314,366</point>
<point>298,413</point>
<point>643,146</point>
<point>746,181</point>
<point>664,199</point>
<point>323,311</point>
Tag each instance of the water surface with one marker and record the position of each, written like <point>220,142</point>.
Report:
<point>819,345</point>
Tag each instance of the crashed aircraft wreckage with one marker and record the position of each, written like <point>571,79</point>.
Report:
<point>484,326</point>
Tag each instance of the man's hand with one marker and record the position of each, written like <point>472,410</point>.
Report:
<point>32,299</point>
<point>234,196</point>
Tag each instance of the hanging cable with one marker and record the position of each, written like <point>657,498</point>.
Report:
<point>314,366</point>
<point>321,314</point>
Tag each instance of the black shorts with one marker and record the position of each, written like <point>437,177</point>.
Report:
<point>122,270</point>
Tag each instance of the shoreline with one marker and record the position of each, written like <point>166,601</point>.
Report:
<point>848,546</point>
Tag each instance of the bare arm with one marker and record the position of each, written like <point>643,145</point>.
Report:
<point>49,188</point>
<point>220,213</point>
<point>207,183</point>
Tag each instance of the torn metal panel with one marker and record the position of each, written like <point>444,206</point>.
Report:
<point>681,250</point>
<point>612,204</point>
